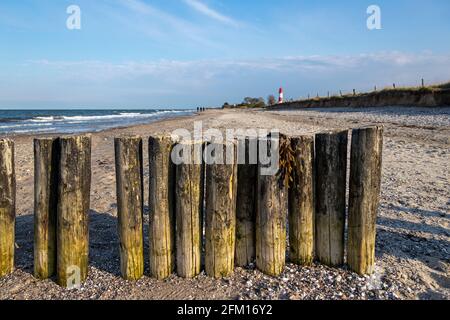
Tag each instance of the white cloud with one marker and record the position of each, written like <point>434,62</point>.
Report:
<point>211,13</point>
<point>380,68</point>
<point>290,63</point>
<point>168,83</point>
<point>160,24</point>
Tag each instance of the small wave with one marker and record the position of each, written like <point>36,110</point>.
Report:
<point>102,117</point>
<point>25,125</point>
<point>117,116</point>
<point>107,117</point>
<point>35,130</point>
<point>74,122</point>
<point>42,119</point>
<point>84,121</point>
<point>131,114</point>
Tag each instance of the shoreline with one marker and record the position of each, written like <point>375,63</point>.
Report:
<point>51,134</point>
<point>205,114</point>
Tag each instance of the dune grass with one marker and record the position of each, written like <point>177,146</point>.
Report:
<point>425,89</point>
<point>443,86</point>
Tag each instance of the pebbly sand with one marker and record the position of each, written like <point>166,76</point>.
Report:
<point>413,228</point>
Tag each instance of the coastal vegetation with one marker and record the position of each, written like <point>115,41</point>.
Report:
<point>421,96</point>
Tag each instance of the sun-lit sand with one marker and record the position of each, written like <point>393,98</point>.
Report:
<point>413,241</point>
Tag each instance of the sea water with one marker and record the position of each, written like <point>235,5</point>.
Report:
<point>77,121</point>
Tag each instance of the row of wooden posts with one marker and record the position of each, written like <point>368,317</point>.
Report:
<point>375,89</point>
<point>245,213</point>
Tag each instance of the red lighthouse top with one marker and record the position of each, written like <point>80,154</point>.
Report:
<point>280,97</point>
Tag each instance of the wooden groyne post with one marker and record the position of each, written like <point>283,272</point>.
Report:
<point>189,209</point>
<point>73,210</point>
<point>46,163</point>
<point>246,201</point>
<point>271,215</point>
<point>130,206</point>
<point>331,168</point>
<point>7,206</point>
<point>365,181</point>
<point>161,207</point>
<point>301,202</point>
<point>221,191</point>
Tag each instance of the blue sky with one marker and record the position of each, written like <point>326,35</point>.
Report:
<point>188,53</point>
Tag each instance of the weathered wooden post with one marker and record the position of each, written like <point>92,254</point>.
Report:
<point>331,169</point>
<point>7,206</point>
<point>46,157</point>
<point>221,191</point>
<point>364,196</point>
<point>161,207</point>
<point>130,206</point>
<point>189,208</point>
<point>246,201</point>
<point>271,213</point>
<point>73,210</point>
<point>245,252</point>
<point>301,202</point>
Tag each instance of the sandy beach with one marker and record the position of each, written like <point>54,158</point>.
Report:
<point>413,227</point>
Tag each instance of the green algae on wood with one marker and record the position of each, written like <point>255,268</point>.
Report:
<point>246,203</point>
<point>73,210</point>
<point>189,211</point>
<point>161,207</point>
<point>364,197</point>
<point>271,215</point>
<point>301,202</point>
<point>7,206</point>
<point>130,206</point>
<point>46,154</point>
<point>221,190</point>
<point>331,170</point>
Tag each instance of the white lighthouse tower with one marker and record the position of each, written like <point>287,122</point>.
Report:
<point>281,96</point>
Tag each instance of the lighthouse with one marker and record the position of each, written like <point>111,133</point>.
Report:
<point>280,96</point>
